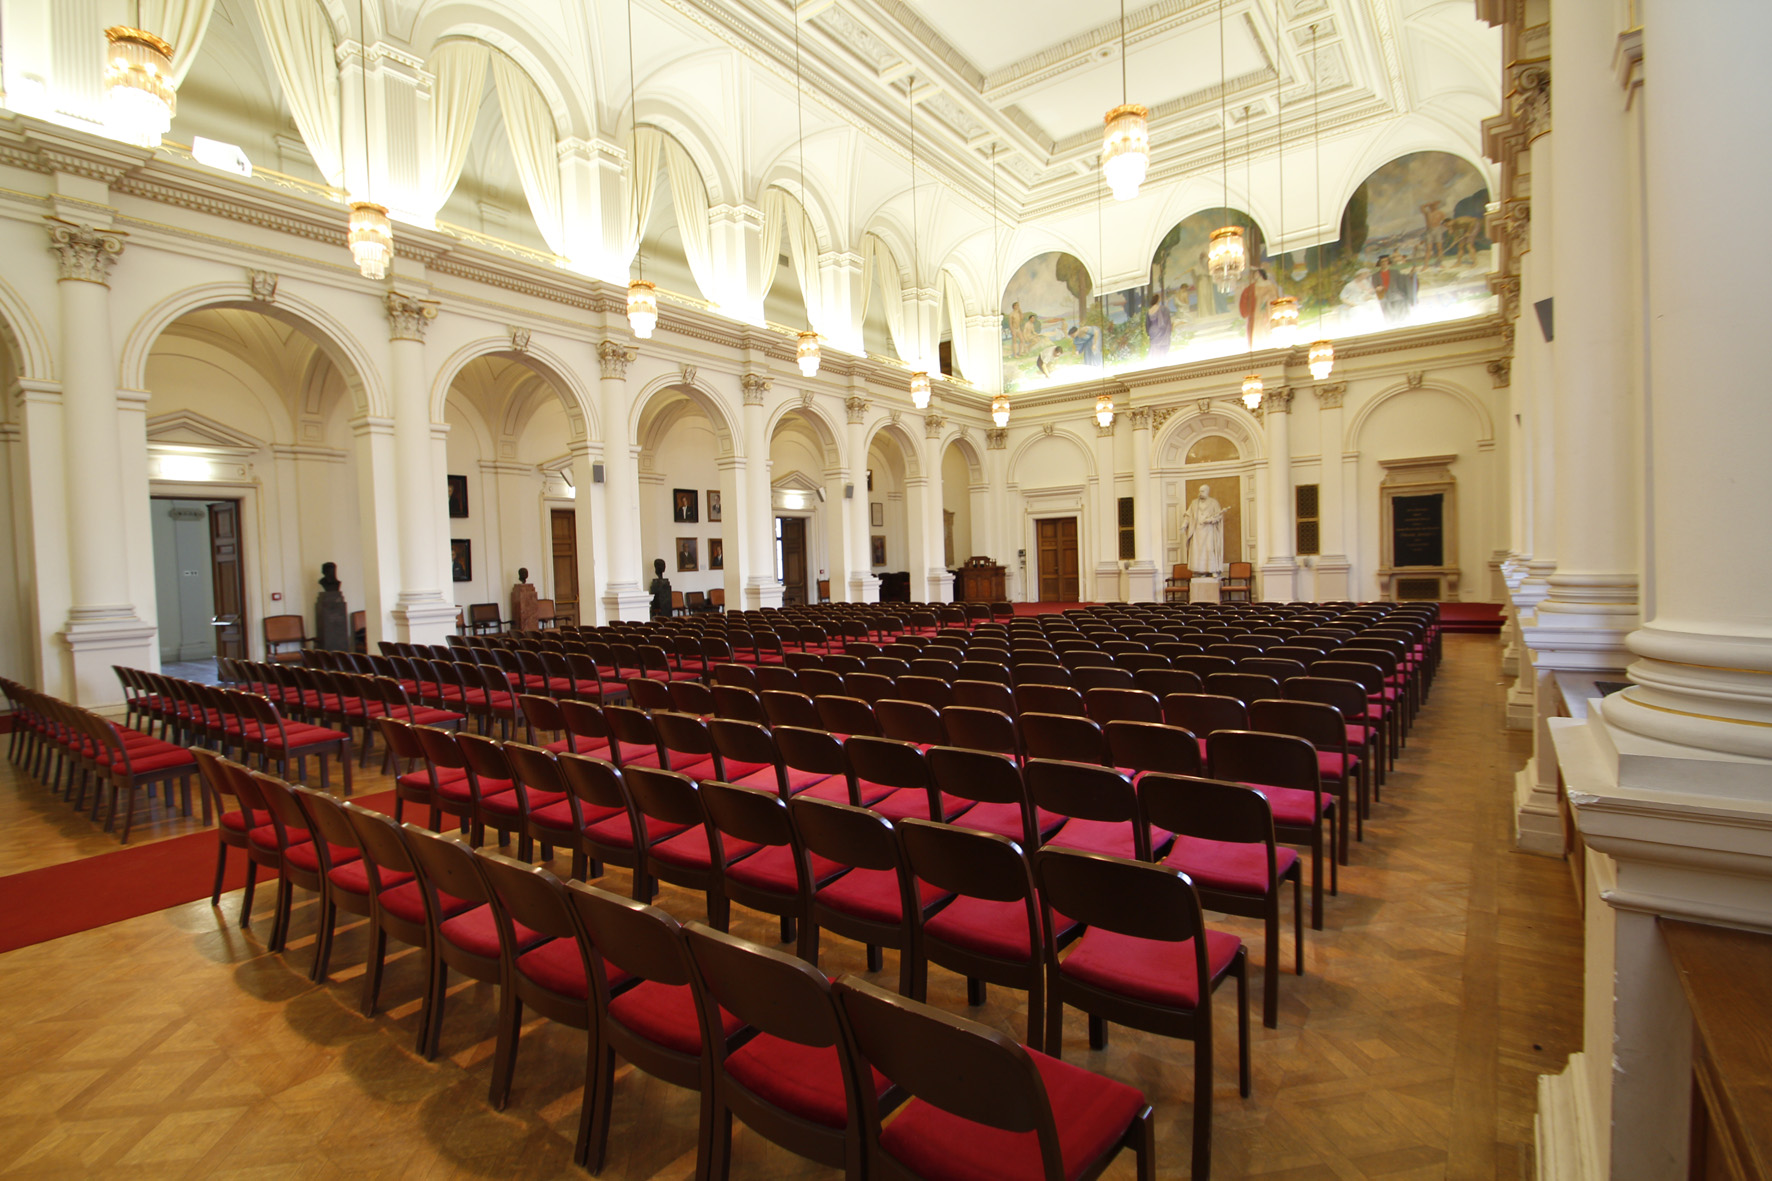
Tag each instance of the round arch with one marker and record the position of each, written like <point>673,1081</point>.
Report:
<point>1485,423</point>
<point>784,174</point>
<point>1231,422</point>
<point>968,452</point>
<point>540,59</point>
<point>343,348</point>
<point>1027,444</point>
<point>706,398</point>
<point>31,354</point>
<point>548,365</point>
<point>718,173</point>
<point>822,428</point>
<point>913,460</point>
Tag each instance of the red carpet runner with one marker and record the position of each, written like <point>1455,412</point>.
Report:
<point>57,900</point>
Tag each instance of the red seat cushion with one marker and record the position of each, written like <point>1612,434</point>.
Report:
<point>239,822</point>
<point>1331,764</point>
<point>354,877</point>
<point>872,894</point>
<point>306,856</point>
<point>475,931</point>
<point>689,848</point>
<point>805,1080</point>
<point>693,765</point>
<point>1005,820</point>
<point>993,928</point>
<point>772,868</point>
<point>665,1013</point>
<point>1112,837</point>
<point>265,836</point>
<point>739,771</point>
<point>406,902</point>
<point>913,801</point>
<point>636,754</point>
<point>558,967</point>
<point>1091,1113</point>
<point>1292,805</point>
<point>799,781</point>
<point>1148,969</point>
<point>506,803</point>
<point>1239,866</point>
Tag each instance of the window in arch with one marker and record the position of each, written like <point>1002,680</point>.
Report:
<point>1212,449</point>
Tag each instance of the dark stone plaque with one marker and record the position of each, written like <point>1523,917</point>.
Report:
<point>1417,532</point>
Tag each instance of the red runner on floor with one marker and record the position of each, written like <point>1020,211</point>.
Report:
<point>57,900</point>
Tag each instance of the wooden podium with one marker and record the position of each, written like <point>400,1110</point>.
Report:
<point>981,581</point>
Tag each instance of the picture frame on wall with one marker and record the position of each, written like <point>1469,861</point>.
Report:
<point>688,554</point>
<point>876,514</point>
<point>458,497</point>
<point>685,506</point>
<point>879,555</point>
<point>714,506</point>
<point>716,554</point>
<point>461,559</point>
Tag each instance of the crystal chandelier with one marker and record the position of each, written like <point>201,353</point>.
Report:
<point>920,390</point>
<point>1104,410</point>
<point>642,308</point>
<point>137,93</point>
<point>1000,410</point>
<point>1322,359</point>
<point>1252,392</point>
<point>1283,321</point>
<point>808,354</point>
<point>371,237</point>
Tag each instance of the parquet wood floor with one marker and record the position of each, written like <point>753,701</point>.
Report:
<point>172,1045</point>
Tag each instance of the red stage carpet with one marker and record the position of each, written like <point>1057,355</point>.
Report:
<point>1048,608</point>
<point>57,900</point>
<point>1470,617</point>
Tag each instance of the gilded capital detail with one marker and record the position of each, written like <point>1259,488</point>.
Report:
<point>1501,371</point>
<point>755,386</point>
<point>996,438</point>
<point>932,425</point>
<point>1141,418</point>
<point>1330,395</point>
<point>408,317</point>
<point>858,410</point>
<point>1278,400</point>
<point>84,253</point>
<point>615,359</point>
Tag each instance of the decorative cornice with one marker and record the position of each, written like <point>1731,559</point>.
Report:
<point>1531,97</point>
<point>615,359</point>
<point>408,316</point>
<point>858,409</point>
<point>755,386</point>
<point>82,253</point>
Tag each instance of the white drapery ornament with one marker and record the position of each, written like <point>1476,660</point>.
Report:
<point>535,143</point>
<point>303,53</point>
<point>182,23</point>
<point>876,259</point>
<point>458,70</point>
<point>689,200</point>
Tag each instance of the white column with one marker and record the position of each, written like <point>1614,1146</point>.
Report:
<point>1107,516</point>
<point>103,628</point>
<point>1280,571</point>
<point>586,511</point>
<point>735,234</point>
<point>998,506</point>
<point>422,614</point>
<point>863,586</point>
<point>845,301</point>
<point>1533,353</point>
<point>1147,573</point>
<point>1332,563</point>
<point>591,194</point>
<point>379,526</point>
<point>758,511</point>
<point>624,591</point>
<point>1595,399</point>
<point>937,581</point>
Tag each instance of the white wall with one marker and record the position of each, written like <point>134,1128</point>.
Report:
<point>184,579</point>
<point>685,458</point>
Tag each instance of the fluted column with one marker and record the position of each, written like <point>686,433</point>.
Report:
<point>103,626</point>
<point>1596,396</point>
<point>1332,513</point>
<point>1279,572</point>
<point>761,588</point>
<point>421,614</point>
<point>863,586</point>
<point>1147,575</point>
<point>624,590</point>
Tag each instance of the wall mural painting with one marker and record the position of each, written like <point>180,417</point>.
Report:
<point>1411,251</point>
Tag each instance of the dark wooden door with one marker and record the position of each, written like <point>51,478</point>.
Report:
<point>793,560</point>
<point>565,527</point>
<point>1058,559</point>
<point>228,564</point>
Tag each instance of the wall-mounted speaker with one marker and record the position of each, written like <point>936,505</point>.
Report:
<point>820,492</point>
<point>849,492</point>
<point>596,473</point>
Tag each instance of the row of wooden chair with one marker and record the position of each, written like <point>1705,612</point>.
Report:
<point>71,750</point>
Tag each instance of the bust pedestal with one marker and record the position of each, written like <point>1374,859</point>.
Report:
<point>1202,590</point>
<point>523,607</point>
<point>332,621</point>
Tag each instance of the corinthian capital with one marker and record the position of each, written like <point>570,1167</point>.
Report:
<point>755,387</point>
<point>615,359</point>
<point>1278,400</point>
<point>858,409</point>
<point>408,317</point>
<point>83,253</point>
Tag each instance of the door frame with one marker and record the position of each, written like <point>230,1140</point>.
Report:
<point>1034,549</point>
<point>252,560</point>
<point>810,518</point>
<point>1039,504</point>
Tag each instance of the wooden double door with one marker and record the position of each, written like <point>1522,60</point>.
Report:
<point>1056,553</point>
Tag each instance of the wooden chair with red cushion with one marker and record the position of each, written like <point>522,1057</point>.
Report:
<point>980,1105</point>
<point>1130,705</point>
<point>779,877</point>
<point>397,905</point>
<point>1343,772</point>
<point>1285,770</point>
<point>1063,736</point>
<point>681,848</point>
<point>789,1074</point>
<point>235,818</point>
<point>306,861</point>
<point>1049,699</point>
<point>1202,713</point>
<point>1000,800</point>
<point>845,716</point>
<point>493,786</point>
<point>911,721</point>
<point>1100,806</point>
<point>687,743</point>
<point>1147,961</point>
<point>1224,842</point>
<point>1139,748</point>
<point>894,776</point>
<point>785,707</point>
<point>1365,733</point>
<point>815,765</point>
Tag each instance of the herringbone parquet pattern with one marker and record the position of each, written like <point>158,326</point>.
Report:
<point>173,1045</point>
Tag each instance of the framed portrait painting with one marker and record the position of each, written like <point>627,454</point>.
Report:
<point>716,553</point>
<point>685,506</point>
<point>461,559</point>
<point>714,505</point>
<point>879,555</point>
<point>688,554</point>
<point>458,496</point>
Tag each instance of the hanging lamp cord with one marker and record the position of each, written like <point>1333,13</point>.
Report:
<point>634,145</point>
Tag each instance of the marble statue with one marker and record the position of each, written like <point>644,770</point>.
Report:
<point>1202,534</point>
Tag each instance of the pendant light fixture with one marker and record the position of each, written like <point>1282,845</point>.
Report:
<point>1282,319</point>
<point>807,353</point>
<point>1252,392</point>
<point>1000,403</point>
<point>1104,401</point>
<point>1322,350</point>
<point>920,378</point>
<point>642,296</point>
<point>1227,255</point>
<point>368,231</point>
<point>1126,144</point>
<point>139,95</point>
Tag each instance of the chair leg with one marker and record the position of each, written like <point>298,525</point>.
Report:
<point>344,760</point>
<point>1202,1157</point>
<point>323,940</point>
<point>221,870</point>
<point>1317,877</point>
<point>1241,968</point>
<point>430,1036</point>
<point>378,951</point>
<point>504,1057</point>
<point>1144,1146</point>
<point>1270,963</point>
<point>246,898</point>
<point>285,905</point>
<point>1298,918</point>
<point>599,1082</point>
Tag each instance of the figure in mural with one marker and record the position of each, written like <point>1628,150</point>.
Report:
<point>1434,239</point>
<point>1084,339</point>
<point>1157,326</point>
<point>660,588</point>
<point>1202,534</point>
<point>1258,296</point>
